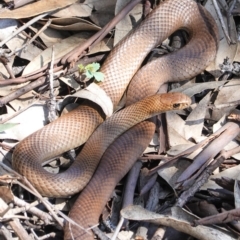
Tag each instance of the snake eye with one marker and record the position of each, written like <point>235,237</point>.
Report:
<point>176,105</point>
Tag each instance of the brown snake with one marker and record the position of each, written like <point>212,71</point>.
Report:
<point>74,129</point>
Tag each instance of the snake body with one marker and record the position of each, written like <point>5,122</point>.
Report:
<point>74,128</point>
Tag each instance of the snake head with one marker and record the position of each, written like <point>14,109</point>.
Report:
<point>175,100</point>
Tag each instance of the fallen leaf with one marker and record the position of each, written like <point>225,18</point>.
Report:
<point>126,24</point>
<point>35,8</point>
<point>52,36</point>
<point>178,219</point>
<point>103,11</point>
<point>191,89</point>
<point>171,174</point>
<point>29,121</point>
<point>236,194</point>
<point>233,172</point>
<point>225,49</point>
<point>96,94</point>
<point>75,10</point>
<point>228,93</point>
<point>195,120</point>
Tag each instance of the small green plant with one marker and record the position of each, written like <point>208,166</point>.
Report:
<point>91,71</point>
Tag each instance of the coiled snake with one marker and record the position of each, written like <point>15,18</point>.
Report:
<point>120,67</point>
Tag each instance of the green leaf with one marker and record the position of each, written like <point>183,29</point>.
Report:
<point>89,74</point>
<point>98,76</point>
<point>93,67</point>
<point>81,68</point>
<point>6,126</point>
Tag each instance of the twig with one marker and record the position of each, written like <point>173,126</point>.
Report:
<point>99,233</point>
<point>46,203</point>
<point>118,228</point>
<point>131,184</point>
<point>149,184</point>
<point>40,45</point>
<point>47,236</point>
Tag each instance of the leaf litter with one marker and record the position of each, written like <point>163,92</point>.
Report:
<point>198,171</point>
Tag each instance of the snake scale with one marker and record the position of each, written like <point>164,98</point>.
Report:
<point>74,128</point>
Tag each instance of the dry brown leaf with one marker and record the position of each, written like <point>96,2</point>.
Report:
<point>179,148</point>
<point>30,120</point>
<point>96,94</point>
<point>7,26</point>
<point>153,145</point>
<point>103,11</point>
<point>228,93</point>
<point>16,43</point>
<point>175,128</point>
<point>125,25</point>
<point>52,36</point>
<point>178,219</point>
<point>23,101</point>
<point>195,120</point>
<point>171,174</point>
<point>233,172</point>
<point>35,8</point>
<point>224,49</point>
<point>75,10</point>
<point>191,89</point>
<point>236,194</point>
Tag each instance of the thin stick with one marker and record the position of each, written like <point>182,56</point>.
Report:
<point>118,228</point>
